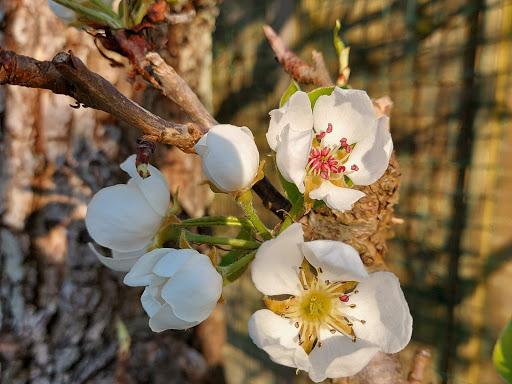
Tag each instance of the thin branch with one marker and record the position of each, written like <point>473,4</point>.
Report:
<point>67,75</point>
<point>298,69</point>
<point>419,364</point>
<point>175,88</point>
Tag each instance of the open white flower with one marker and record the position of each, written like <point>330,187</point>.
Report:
<point>182,287</point>
<point>325,151</point>
<point>125,217</point>
<point>66,14</point>
<point>229,156</point>
<point>326,315</point>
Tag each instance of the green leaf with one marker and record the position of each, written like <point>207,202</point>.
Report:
<point>290,189</point>
<point>316,93</point>
<point>502,355</point>
<point>233,264</point>
<point>348,181</point>
<point>292,88</point>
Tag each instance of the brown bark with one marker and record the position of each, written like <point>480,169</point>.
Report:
<point>59,307</point>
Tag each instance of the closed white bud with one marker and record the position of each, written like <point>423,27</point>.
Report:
<point>229,156</point>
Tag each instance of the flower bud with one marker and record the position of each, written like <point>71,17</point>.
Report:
<point>182,287</point>
<point>229,156</point>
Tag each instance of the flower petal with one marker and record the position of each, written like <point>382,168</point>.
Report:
<point>229,156</point>
<point>141,273</point>
<point>372,154</point>
<point>120,261</point>
<point>340,357</point>
<point>195,290</point>
<point>292,155</point>
<point>120,218</point>
<point>149,300</point>
<point>296,114</point>
<point>338,261</point>
<point>351,113</point>
<point>338,198</point>
<point>279,338</point>
<point>154,187</point>
<point>172,261</point>
<point>165,319</point>
<point>381,303</point>
<point>275,268</point>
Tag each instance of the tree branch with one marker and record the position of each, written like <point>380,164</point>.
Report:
<point>299,70</point>
<point>67,75</point>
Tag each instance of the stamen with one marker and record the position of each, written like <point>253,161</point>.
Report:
<point>344,298</point>
<point>329,128</point>
<point>354,167</point>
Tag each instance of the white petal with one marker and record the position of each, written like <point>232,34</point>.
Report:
<point>372,155</point>
<point>150,301</point>
<point>340,199</point>
<point>338,261</point>
<point>340,357</point>
<point>292,155</point>
<point>279,338</point>
<point>154,187</point>
<point>296,114</point>
<point>275,269</point>
<point>141,273</point>
<point>351,113</point>
<point>120,218</point>
<point>381,303</point>
<point>165,319</point>
<point>120,261</point>
<point>172,261</point>
<point>229,156</point>
<point>195,290</point>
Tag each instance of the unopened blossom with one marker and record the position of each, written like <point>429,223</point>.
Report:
<point>326,315</point>
<point>328,149</point>
<point>66,14</point>
<point>126,217</point>
<point>182,287</point>
<point>229,157</point>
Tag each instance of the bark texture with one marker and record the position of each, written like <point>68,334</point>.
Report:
<point>59,308</point>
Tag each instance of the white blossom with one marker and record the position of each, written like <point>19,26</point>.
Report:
<point>125,217</point>
<point>229,156</point>
<point>326,315</point>
<point>182,287</point>
<point>66,14</point>
<point>324,151</point>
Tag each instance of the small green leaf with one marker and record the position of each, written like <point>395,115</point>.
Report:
<point>233,264</point>
<point>290,189</point>
<point>316,93</point>
<point>502,355</point>
<point>292,88</point>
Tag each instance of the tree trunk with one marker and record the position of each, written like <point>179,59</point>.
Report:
<point>61,312</point>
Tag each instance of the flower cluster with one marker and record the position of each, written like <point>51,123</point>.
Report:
<point>325,314</point>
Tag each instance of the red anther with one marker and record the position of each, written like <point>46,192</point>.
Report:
<point>329,128</point>
<point>320,136</point>
<point>341,169</point>
<point>324,175</point>
<point>354,167</point>
<point>344,298</point>
<point>325,151</point>
<point>348,148</point>
<point>343,141</point>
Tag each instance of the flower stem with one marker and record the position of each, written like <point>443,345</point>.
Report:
<point>235,243</point>
<point>295,213</point>
<point>211,221</point>
<point>245,202</point>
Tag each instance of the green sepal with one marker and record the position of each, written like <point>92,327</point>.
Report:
<point>502,354</point>
<point>316,93</point>
<point>234,264</point>
<point>292,88</point>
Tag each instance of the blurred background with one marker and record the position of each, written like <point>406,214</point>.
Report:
<point>447,65</point>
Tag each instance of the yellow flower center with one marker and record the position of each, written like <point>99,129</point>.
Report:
<point>322,304</point>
